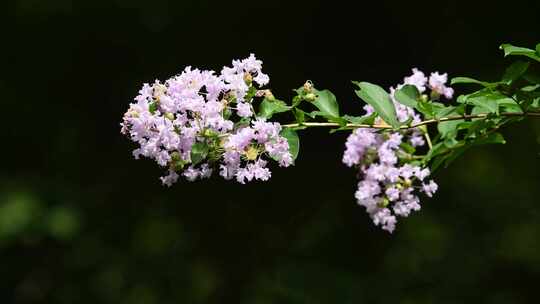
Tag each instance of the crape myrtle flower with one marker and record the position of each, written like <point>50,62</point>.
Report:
<point>199,122</point>
<point>390,180</point>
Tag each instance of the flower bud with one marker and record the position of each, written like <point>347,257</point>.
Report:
<point>179,165</point>
<point>169,116</point>
<point>251,153</point>
<point>435,95</point>
<point>208,133</point>
<point>407,183</point>
<point>175,156</point>
<point>268,95</point>
<point>383,203</point>
<point>159,90</point>
<point>310,97</point>
<point>424,98</point>
<point>308,86</point>
<point>248,78</point>
<point>132,113</point>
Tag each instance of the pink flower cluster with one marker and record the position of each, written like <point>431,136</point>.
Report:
<point>436,82</point>
<point>390,177</point>
<point>198,121</point>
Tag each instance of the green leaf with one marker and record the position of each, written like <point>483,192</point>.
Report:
<point>530,88</point>
<point>457,80</point>
<point>509,105</point>
<point>448,129</point>
<point>538,49</point>
<point>407,147</point>
<point>326,102</point>
<point>514,71</point>
<point>441,110</point>
<point>379,99</point>
<point>407,95</point>
<point>437,149</point>
<point>293,140</point>
<point>488,103</point>
<point>314,114</point>
<point>252,91</point>
<point>299,115</point>
<point>432,109</point>
<point>451,142</point>
<point>510,50</point>
<point>368,120</point>
<point>339,120</point>
<point>199,151</point>
<point>267,108</point>
<point>152,107</point>
<point>492,138</point>
<point>535,105</point>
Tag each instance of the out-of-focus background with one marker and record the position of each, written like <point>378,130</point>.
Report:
<point>82,222</point>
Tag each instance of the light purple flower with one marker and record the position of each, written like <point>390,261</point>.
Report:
<point>417,79</point>
<point>437,83</point>
<point>243,109</point>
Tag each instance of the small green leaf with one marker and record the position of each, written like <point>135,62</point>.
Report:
<point>326,102</point>
<point>514,71</point>
<point>407,95</point>
<point>510,50</point>
<point>152,107</point>
<point>293,140</point>
<point>538,49</point>
<point>407,147</point>
<point>267,108</point>
<point>252,91</point>
<point>199,151</point>
<point>379,99</point>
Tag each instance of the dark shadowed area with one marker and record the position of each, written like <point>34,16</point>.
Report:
<point>81,221</point>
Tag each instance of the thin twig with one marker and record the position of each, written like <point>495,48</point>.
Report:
<point>412,126</point>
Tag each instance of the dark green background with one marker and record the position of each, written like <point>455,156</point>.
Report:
<point>82,222</point>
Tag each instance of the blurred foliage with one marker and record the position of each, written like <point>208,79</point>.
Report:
<point>81,222</point>
<point>25,218</point>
